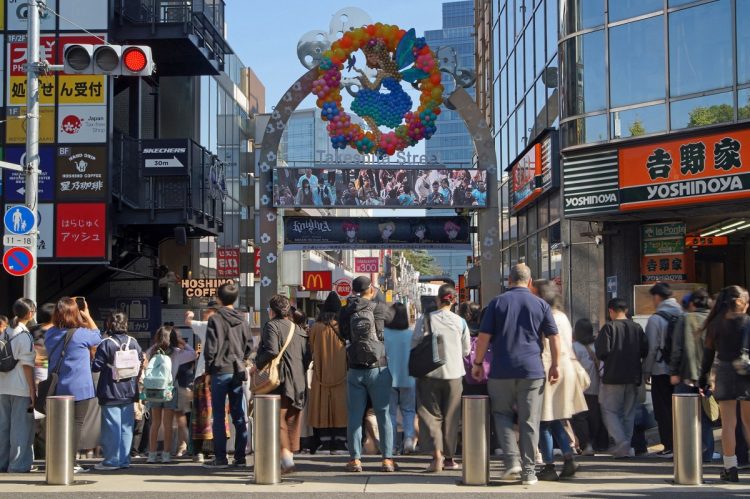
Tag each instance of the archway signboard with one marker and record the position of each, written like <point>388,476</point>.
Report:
<point>393,57</point>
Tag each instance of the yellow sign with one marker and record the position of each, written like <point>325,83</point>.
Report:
<point>17,90</point>
<point>15,128</point>
<point>389,296</point>
<point>81,89</point>
<point>2,15</point>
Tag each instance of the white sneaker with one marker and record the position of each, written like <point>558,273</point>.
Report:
<point>511,473</point>
<point>409,445</point>
<point>498,452</point>
<point>166,457</point>
<point>79,469</point>
<point>199,458</point>
<point>529,478</point>
<point>105,467</point>
<point>588,451</point>
<point>152,456</point>
<point>539,459</point>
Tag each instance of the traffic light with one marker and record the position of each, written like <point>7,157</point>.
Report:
<point>125,60</point>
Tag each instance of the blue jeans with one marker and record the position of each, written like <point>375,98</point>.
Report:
<point>405,399</point>
<point>117,434</point>
<point>223,386</point>
<point>707,431</point>
<point>16,434</point>
<point>549,430</point>
<point>376,383</point>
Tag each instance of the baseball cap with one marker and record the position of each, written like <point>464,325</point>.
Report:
<point>361,284</point>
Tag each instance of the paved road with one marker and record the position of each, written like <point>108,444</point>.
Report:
<point>323,476</point>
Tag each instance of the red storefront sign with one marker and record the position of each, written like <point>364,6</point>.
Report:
<point>228,263</point>
<point>257,262</point>
<point>320,280</point>
<point>367,265</point>
<point>81,230</point>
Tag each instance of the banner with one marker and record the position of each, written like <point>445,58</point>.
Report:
<point>663,252</point>
<point>228,262</point>
<point>301,233</point>
<point>386,187</point>
<point>367,265</point>
<point>81,230</point>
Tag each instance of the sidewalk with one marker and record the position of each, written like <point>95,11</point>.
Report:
<point>324,476</point>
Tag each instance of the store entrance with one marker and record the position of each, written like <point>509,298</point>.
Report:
<point>721,258</point>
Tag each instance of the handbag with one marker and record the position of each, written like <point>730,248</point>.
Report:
<point>710,407</point>
<point>428,354</point>
<point>582,376</point>
<point>267,379</point>
<point>48,387</point>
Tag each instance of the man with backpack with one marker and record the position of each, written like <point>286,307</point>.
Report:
<point>660,332</point>
<point>228,346</point>
<point>361,325</point>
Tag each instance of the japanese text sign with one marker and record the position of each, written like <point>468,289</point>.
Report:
<point>81,230</point>
<point>81,172</point>
<point>228,262</point>
<point>663,256</point>
<point>694,241</point>
<point>685,171</point>
<point>15,127</point>
<point>368,265</point>
<point>15,182</point>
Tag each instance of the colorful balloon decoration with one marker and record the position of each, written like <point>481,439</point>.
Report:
<point>396,55</point>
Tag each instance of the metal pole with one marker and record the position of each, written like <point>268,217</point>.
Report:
<point>267,467</point>
<point>688,448</point>
<point>476,452</point>
<point>32,133</point>
<point>60,448</point>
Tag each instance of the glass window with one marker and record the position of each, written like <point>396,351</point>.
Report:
<point>625,9</point>
<point>584,74</point>
<point>640,121</point>
<point>702,111</point>
<point>496,117</point>
<point>512,138</point>
<point>512,81</point>
<point>636,61</point>
<point>522,250</point>
<point>743,101</point>
<point>520,88</point>
<point>522,226</point>
<point>532,259</point>
<point>541,106</point>
<point>675,3</point>
<point>522,135</point>
<point>529,51</point>
<point>531,130</point>
<point>700,48</point>
<point>502,95</point>
<point>581,14</point>
<point>544,254</point>
<point>539,45</point>
<point>553,113</point>
<point>543,207</point>
<point>496,61</point>
<point>519,18</point>
<point>743,41</point>
<point>531,219</point>
<point>551,28</point>
<point>554,206</point>
<point>502,33</point>
<point>584,130</point>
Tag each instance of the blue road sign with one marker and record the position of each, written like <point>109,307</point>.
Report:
<point>19,220</point>
<point>18,261</point>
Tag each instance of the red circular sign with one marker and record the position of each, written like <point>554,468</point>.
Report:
<point>343,287</point>
<point>18,261</point>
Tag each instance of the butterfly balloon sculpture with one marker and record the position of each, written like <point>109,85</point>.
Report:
<point>395,55</point>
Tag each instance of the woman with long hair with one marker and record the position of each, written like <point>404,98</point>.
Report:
<point>74,325</point>
<point>17,393</point>
<point>305,194</point>
<point>397,335</point>
<point>439,392</point>
<point>327,409</point>
<point>725,326</point>
<point>292,373</point>
<point>560,400</point>
<point>588,425</point>
<point>179,353</point>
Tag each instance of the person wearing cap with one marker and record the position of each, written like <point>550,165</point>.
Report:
<point>656,365</point>
<point>439,392</point>
<point>368,374</point>
<point>201,412</point>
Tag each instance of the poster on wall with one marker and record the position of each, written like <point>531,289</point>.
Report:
<point>17,57</point>
<point>78,124</point>
<point>45,223</point>
<point>663,252</point>
<point>15,126</point>
<point>385,187</point>
<point>81,230</point>
<point>17,16</point>
<point>81,172</point>
<point>301,233</point>
<point>15,182</point>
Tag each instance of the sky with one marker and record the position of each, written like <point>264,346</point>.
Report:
<point>264,33</point>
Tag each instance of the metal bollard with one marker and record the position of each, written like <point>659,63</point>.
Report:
<point>688,448</point>
<point>267,444</point>
<point>476,453</point>
<point>60,447</point>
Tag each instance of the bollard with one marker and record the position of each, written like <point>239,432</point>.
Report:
<point>688,448</point>
<point>60,447</point>
<point>476,453</point>
<point>267,445</point>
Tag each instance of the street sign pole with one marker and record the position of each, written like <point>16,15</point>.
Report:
<point>32,132</point>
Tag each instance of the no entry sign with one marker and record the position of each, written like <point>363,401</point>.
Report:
<point>343,287</point>
<point>18,261</point>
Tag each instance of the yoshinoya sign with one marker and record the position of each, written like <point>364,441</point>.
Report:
<point>590,183</point>
<point>534,173</point>
<point>685,171</point>
<point>375,233</point>
<point>165,157</point>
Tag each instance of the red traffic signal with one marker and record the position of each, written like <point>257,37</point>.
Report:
<point>134,59</point>
<point>126,60</point>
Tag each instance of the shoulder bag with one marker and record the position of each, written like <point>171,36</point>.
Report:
<point>48,387</point>
<point>267,379</point>
<point>429,354</point>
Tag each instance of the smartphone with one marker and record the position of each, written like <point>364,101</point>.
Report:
<point>81,302</point>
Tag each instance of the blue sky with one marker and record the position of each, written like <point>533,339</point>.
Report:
<point>264,33</point>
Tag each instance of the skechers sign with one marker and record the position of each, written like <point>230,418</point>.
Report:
<point>685,171</point>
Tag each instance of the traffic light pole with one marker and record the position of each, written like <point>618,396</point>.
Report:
<point>31,167</point>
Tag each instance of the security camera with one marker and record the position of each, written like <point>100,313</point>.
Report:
<point>598,240</point>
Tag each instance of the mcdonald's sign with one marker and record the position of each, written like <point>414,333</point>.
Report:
<point>320,280</point>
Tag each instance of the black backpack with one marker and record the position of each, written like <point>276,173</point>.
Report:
<point>664,353</point>
<point>7,360</point>
<point>365,349</point>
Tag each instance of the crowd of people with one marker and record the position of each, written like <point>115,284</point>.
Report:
<point>372,187</point>
<point>353,377</point>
